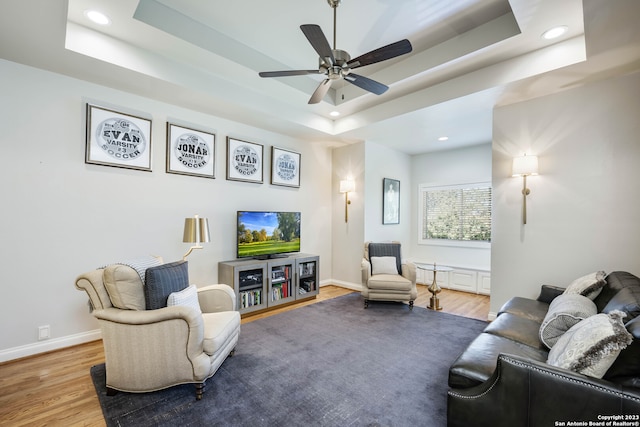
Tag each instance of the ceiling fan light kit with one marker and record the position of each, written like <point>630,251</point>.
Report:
<point>337,64</point>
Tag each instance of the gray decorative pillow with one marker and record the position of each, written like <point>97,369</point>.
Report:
<point>592,345</point>
<point>564,312</point>
<point>590,285</point>
<point>162,281</point>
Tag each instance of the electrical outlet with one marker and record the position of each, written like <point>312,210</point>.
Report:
<point>44,332</point>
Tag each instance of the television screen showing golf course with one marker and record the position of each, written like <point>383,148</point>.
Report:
<point>264,234</point>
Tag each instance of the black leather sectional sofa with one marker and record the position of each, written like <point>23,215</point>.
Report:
<point>503,378</point>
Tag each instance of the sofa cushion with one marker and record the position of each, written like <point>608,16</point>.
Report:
<point>615,282</point>
<point>124,287</point>
<point>124,281</point>
<point>478,362</point>
<point>525,307</point>
<point>626,368</point>
<point>383,265</point>
<point>626,300</point>
<point>516,328</point>
<point>592,345</point>
<point>589,285</point>
<point>163,280</point>
<point>389,282</point>
<point>187,297</point>
<point>219,329</point>
<point>564,311</point>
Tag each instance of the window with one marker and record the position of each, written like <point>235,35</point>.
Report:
<point>459,213</point>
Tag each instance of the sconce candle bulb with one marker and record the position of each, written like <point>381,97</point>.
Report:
<point>347,185</point>
<point>524,166</point>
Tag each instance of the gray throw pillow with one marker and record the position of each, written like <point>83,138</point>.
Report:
<point>162,281</point>
<point>564,312</point>
<point>592,345</point>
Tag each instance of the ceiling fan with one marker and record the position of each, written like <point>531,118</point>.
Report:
<point>336,64</point>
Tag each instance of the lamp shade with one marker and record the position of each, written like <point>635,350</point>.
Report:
<point>525,165</point>
<point>196,230</point>
<point>347,185</point>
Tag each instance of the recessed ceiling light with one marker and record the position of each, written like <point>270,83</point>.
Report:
<point>97,17</point>
<point>443,138</point>
<point>554,32</point>
<point>334,113</point>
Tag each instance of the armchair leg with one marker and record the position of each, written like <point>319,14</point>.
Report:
<point>199,390</point>
<point>366,303</point>
<point>111,391</point>
<point>411,305</point>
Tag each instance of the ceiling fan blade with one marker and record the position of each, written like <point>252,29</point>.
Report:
<point>320,91</point>
<point>287,73</point>
<point>366,83</point>
<point>381,54</point>
<point>318,40</point>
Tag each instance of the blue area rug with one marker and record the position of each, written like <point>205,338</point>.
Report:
<point>332,363</point>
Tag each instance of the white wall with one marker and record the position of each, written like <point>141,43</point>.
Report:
<point>460,166</point>
<point>347,237</point>
<point>61,217</point>
<point>583,212</point>
<point>382,162</point>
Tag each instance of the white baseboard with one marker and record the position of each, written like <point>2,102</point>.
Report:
<point>48,345</point>
<point>340,283</point>
<point>492,316</point>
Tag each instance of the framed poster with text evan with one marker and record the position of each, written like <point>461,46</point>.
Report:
<point>244,161</point>
<point>190,151</point>
<point>390,201</point>
<point>285,167</point>
<point>117,139</point>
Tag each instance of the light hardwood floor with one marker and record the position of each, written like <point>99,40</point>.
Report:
<point>55,388</point>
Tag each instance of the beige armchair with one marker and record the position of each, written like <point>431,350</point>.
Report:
<point>151,349</point>
<point>385,277</point>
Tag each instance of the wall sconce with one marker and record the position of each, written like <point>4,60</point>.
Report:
<point>196,230</point>
<point>524,166</point>
<point>347,185</point>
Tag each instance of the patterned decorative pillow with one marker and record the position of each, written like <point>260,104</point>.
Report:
<point>564,312</point>
<point>590,285</point>
<point>162,281</point>
<point>592,345</point>
<point>383,265</point>
<point>187,297</point>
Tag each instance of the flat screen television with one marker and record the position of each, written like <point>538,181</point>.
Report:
<point>267,234</point>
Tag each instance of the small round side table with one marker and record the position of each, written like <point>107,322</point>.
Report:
<point>434,301</point>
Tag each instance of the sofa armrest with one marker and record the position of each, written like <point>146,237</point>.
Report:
<point>534,393</point>
<point>216,298</point>
<point>549,292</point>
<point>365,270</point>
<point>409,271</point>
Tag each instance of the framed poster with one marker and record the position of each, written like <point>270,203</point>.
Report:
<point>390,201</point>
<point>244,161</point>
<point>285,167</point>
<point>190,151</point>
<point>117,139</point>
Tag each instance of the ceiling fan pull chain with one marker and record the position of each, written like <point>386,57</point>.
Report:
<point>335,13</point>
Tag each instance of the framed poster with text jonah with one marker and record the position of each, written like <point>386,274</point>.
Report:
<point>285,167</point>
<point>117,139</point>
<point>244,161</point>
<point>190,151</point>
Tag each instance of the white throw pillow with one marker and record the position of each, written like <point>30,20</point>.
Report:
<point>590,285</point>
<point>383,265</point>
<point>592,345</point>
<point>187,297</point>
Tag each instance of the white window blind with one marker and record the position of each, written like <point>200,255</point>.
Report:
<point>461,213</point>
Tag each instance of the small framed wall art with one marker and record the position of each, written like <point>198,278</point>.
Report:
<point>285,167</point>
<point>117,139</point>
<point>244,161</point>
<point>190,151</point>
<point>390,201</point>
